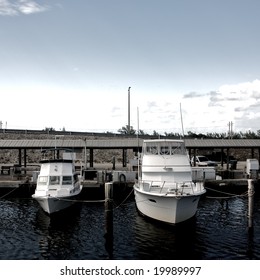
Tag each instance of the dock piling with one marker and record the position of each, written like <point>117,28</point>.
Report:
<point>250,202</point>
<point>109,218</point>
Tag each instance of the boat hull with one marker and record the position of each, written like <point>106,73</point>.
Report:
<point>169,208</point>
<point>52,204</point>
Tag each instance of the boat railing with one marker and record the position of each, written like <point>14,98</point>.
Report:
<point>170,186</point>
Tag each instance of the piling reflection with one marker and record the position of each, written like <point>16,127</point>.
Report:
<point>109,238</point>
<point>109,232</point>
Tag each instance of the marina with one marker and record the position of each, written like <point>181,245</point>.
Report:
<point>104,222</point>
<point>99,228</point>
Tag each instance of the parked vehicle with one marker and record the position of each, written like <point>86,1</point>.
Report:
<point>202,161</point>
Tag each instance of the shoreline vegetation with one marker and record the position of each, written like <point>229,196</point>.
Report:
<point>127,131</point>
<point>106,156</point>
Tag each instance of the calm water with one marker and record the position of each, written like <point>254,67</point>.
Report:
<point>219,231</point>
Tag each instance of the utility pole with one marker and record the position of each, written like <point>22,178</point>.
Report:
<point>230,130</point>
<point>129,110</point>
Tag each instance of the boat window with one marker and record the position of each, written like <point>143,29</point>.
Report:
<point>165,150</point>
<point>54,180</point>
<point>179,149</point>
<point>42,180</point>
<point>75,177</point>
<point>152,150</point>
<point>66,180</point>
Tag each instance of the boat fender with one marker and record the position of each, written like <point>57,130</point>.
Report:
<point>122,178</point>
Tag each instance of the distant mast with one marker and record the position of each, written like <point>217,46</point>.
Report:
<point>182,122</point>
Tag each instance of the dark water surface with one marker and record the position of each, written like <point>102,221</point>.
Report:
<point>219,231</point>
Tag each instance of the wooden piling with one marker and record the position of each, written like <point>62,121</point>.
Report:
<point>109,218</point>
<point>108,194</point>
<point>250,202</point>
<point>114,163</point>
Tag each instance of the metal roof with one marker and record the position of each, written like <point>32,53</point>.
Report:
<point>51,143</point>
<point>112,143</point>
<point>222,143</point>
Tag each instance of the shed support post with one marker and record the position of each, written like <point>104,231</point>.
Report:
<point>124,157</point>
<point>222,153</point>
<point>227,158</point>
<point>91,157</point>
<point>24,160</point>
<point>20,157</point>
<point>194,157</point>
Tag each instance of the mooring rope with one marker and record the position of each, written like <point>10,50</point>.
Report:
<point>231,195</point>
<point>8,193</point>
<point>93,201</point>
<point>124,199</point>
<point>76,200</point>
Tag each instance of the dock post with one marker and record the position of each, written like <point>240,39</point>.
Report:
<point>91,157</point>
<point>109,218</point>
<point>250,202</point>
<point>124,157</point>
<point>113,163</point>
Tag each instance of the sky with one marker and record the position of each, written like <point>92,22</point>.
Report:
<point>68,64</point>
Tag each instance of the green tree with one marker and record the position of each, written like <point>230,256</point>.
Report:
<point>127,130</point>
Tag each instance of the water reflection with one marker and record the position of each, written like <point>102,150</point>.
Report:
<point>219,231</point>
<point>224,228</point>
<point>159,241</point>
<point>56,233</point>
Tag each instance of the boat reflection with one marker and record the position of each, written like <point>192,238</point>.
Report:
<point>156,240</point>
<point>56,233</point>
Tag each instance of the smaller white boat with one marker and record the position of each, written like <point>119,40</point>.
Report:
<point>165,190</point>
<point>58,185</point>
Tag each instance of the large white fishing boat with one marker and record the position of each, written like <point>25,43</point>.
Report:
<point>165,190</point>
<point>58,185</point>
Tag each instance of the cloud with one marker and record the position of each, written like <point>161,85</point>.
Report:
<point>193,95</point>
<point>255,106</point>
<point>16,7</point>
<point>239,103</point>
<point>116,112</point>
<point>255,94</point>
<point>215,99</point>
<point>205,111</point>
<point>239,109</point>
<point>6,8</point>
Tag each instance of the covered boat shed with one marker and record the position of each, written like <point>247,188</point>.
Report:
<point>194,146</point>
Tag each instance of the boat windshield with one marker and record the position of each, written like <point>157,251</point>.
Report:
<point>42,180</point>
<point>202,158</point>
<point>168,148</point>
<point>66,180</point>
<point>54,180</point>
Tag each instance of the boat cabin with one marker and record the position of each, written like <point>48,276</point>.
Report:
<point>165,161</point>
<point>56,173</point>
<point>164,147</point>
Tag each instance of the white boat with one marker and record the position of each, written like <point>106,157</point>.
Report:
<point>165,190</point>
<point>58,185</point>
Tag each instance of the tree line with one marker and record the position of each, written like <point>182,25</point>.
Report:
<point>209,135</point>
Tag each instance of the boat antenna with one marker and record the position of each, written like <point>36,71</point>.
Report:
<point>181,122</point>
<point>138,160</point>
